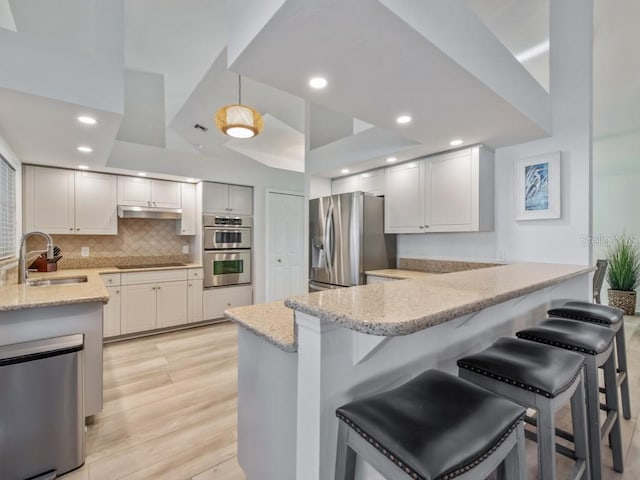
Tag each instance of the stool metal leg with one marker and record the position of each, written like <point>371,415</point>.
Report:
<point>579,425</point>
<point>621,352</point>
<point>593,416</point>
<point>345,456</point>
<point>613,413</point>
<point>546,441</point>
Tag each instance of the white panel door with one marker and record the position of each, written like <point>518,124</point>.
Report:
<point>194,300</point>
<point>171,303</point>
<point>240,200</point>
<point>96,204</point>
<point>134,191</point>
<point>50,200</point>
<point>166,194</point>
<point>404,201</point>
<point>285,236</point>
<point>138,309</point>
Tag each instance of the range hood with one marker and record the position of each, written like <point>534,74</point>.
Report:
<point>129,211</point>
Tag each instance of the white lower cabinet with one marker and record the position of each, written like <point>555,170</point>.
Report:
<point>217,300</point>
<point>171,304</point>
<point>194,300</point>
<point>138,308</point>
<point>111,313</point>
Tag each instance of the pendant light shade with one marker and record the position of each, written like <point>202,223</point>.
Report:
<point>238,120</point>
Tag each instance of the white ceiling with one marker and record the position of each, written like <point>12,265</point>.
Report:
<point>378,65</point>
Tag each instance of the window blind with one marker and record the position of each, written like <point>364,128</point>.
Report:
<point>7,209</point>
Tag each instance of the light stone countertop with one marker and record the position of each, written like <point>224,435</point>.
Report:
<point>408,306</point>
<point>272,321</point>
<point>22,296</point>
<point>398,274</point>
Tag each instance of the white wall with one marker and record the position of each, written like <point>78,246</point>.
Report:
<point>616,190</point>
<point>561,240</point>
<point>235,169</point>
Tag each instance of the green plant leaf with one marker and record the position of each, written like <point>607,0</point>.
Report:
<point>624,263</point>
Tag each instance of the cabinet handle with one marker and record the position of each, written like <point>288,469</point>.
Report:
<point>426,226</point>
<point>71,229</point>
<point>421,226</point>
<point>148,203</point>
<point>158,288</point>
<point>77,229</point>
<point>110,280</point>
<point>279,260</point>
<point>153,288</point>
<point>117,291</point>
<point>189,284</point>
<point>228,304</point>
<point>183,230</point>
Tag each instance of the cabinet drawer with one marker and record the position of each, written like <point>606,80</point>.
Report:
<point>111,279</point>
<point>133,278</point>
<point>196,274</point>
<point>217,300</point>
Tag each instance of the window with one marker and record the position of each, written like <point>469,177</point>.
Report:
<point>7,209</point>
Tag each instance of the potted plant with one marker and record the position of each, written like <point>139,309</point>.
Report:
<point>623,275</point>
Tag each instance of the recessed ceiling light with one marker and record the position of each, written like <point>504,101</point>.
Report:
<point>345,170</point>
<point>83,167</point>
<point>87,120</point>
<point>84,149</point>
<point>402,119</point>
<point>456,142</point>
<point>318,82</point>
<point>391,159</point>
<point>142,174</point>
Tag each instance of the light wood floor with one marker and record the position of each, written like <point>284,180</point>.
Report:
<point>170,410</point>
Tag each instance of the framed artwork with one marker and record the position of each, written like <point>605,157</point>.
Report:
<point>538,187</point>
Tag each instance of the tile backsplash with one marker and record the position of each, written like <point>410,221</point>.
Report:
<point>138,241</point>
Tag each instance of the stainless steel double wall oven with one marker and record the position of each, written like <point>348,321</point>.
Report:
<point>227,250</point>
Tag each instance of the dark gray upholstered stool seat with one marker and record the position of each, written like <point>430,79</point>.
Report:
<point>436,426</point>
<point>595,343</point>
<point>540,377</point>
<point>614,319</point>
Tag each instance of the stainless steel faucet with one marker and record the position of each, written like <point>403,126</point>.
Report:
<point>22,261</point>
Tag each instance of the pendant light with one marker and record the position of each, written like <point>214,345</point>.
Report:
<point>238,120</point>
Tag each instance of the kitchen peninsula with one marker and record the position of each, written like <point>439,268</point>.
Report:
<point>357,341</point>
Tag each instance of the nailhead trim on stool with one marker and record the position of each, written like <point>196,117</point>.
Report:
<point>408,470</point>
<point>553,343</point>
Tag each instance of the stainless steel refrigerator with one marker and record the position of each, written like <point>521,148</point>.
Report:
<point>347,239</point>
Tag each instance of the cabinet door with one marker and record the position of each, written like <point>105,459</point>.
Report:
<point>96,204</point>
<point>453,193</point>
<point>49,200</point>
<point>138,309</point>
<point>217,300</point>
<point>194,294</point>
<point>111,313</point>
<point>187,223</point>
<point>166,194</point>
<point>240,200</point>
<point>345,185</point>
<point>134,191</point>
<point>403,201</point>
<point>171,303</point>
<point>216,197</point>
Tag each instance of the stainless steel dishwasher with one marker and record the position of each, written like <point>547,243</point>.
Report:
<point>42,408</point>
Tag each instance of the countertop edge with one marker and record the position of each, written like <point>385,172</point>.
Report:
<point>411,326</point>
<point>286,347</point>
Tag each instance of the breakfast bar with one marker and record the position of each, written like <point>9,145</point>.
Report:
<point>353,342</point>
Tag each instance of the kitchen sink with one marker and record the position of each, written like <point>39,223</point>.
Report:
<point>46,282</point>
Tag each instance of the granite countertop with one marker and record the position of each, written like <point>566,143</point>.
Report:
<point>272,321</point>
<point>398,274</point>
<point>22,296</point>
<point>408,306</point>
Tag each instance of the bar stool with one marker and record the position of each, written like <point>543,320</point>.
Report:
<point>543,378</point>
<point>595,343</point>
<point>612,318</point>
<point>434,427</point>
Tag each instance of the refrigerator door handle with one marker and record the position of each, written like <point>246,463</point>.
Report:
<point>328,240</point>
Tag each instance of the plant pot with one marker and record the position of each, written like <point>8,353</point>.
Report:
<point>625,300</point>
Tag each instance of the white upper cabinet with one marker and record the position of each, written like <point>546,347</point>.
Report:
<point>146,192</point>
<point>450,192</point>
<point>62,201</point>
<point>368,182</point>
<point>96,199</point>
<point>187,223</point>
<point>227,199</point>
